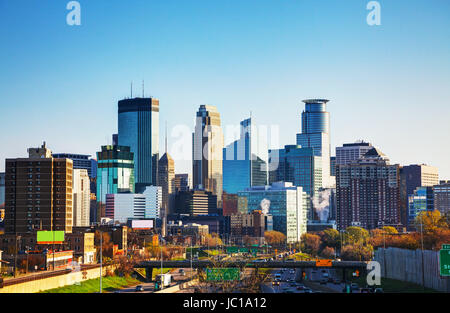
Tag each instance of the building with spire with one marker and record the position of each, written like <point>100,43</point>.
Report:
<point>166,177</point>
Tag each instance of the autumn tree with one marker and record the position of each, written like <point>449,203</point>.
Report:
<point>354,234</point>
<point>275,238</point>
<point>310,244</point>
<point>330,237</point>
<point>327,252</point>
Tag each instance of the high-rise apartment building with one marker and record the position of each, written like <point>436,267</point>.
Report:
<point>351,152</point>
<point>207,141</point>
<point>368,192</point>
<point>38,193</point>
<point>138,125</point>
<point>411,177</point>
<point>286,203</point>
<point>316,134</point>
<point>2,201</point>
<point>81,198</point>
<point>245,160</point>
<point>115,173</point>
<point>441,194</point>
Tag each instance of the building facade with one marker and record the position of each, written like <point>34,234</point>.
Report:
<point>38,193</point>
<point>195,202</point>
<point>80,161</point>
<point>245,160</point>
<point>166,179</point>
<point>115,172</point>
<point>351,152</point>
<point>285,202</point>
<point>299,166</point>
<point>138,125</point>
<point>316,135</point>
<point>421,200</point>
<point>368,192</point>
<point>81,198</point>
<point>412,177</point>
<point>441,194</point>
<point>181,182</point>
<point>207,145</point>
<point>125,206</point>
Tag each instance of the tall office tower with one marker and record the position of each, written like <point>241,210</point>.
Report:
<point>316,134</point>
<point>139,130</point>
<point>115,139</point>
<point>368,192</point>
<point>441,194</point>
<point>299,166</point>
<point>411,177</point>
<point>115,174</point>
<point>207,142</point>
<point>286,203</point>
<point>124,206</point>
<point>245,160</point>
<point>80,161</point>
<point>196,202</point>
<point>181,182</point>
<point>166,177</point>
<point>350,152</point>
<point>38,192</point>
<point>421,200</point>
<point>81,198</point>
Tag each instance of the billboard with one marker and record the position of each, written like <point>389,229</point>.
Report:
<point>50,237</point>
<point>142,224</point>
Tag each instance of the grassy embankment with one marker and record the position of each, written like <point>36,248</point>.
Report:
<point>109,284</point>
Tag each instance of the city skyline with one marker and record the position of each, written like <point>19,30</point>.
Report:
<point>356,66</point>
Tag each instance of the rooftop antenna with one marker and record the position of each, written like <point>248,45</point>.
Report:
<point>131,89</point>
<point>143,89</point>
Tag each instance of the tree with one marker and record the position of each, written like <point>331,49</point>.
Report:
<point>430,221</point>
<point>107,244</point>
<point>330,237</point>
<point>327,252</point>
<point>274,238</point>
<point>356,234</point>
<point>357,252</point>
<point>389,230</point>
<point>310,244</point>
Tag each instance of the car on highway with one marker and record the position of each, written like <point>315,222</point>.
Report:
<point>275,283</point>
<point>181,272</point>
<point>323,281</point>
<point>139,288</point>
<point>378,290</point>
<point>307,290</point>
<point>300,287</point>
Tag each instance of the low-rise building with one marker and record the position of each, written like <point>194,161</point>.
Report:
<point>83,247</point>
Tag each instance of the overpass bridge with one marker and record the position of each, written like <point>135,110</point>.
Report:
<point>202,264</point>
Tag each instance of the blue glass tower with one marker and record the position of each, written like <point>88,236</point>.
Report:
<point>138,124</point>
<point>245,160</point>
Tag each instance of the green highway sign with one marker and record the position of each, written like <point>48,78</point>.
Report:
<point>223,274</point>
<point>444,261</point>
<point>446,247</point>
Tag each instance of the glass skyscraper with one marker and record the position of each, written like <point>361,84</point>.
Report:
<point>299,166</point>
<point>138,124</point>
<point>245,160</point>
<point>115,171</point>
<point>316,134</point>
<point>421,200</point>
<point>287,204</point>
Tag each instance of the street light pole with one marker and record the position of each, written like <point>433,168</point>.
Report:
<point>101,259</point>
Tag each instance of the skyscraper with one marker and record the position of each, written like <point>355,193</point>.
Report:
<point>181,182</point>
<point>207,142</point>
<point>245,160</point>
<point>115,173</point>
<point>166,177</point>
<point>38,193</point>
<point>81,198</point>
<point>299,166</point>
<point>368,192</point>
<point>138,124</point>
<point>412,177</point>
<point>80,161</point>
<point>316,134</point>
<point>441,194</point>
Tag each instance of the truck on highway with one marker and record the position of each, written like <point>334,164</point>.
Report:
<point>164,280</point>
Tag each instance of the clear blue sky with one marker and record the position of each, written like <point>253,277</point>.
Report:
<point>387,84</point>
